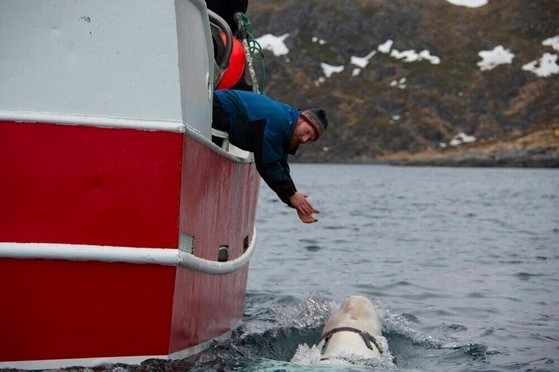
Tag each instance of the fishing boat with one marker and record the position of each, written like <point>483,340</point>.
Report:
<point>125,232</point>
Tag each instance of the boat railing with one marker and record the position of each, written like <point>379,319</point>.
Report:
<point>230,151</point>
<point>130,255</point>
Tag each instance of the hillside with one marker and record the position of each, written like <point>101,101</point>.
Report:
<point>384,108</point>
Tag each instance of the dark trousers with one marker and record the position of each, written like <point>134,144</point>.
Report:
<point>219,120</point>
<point>226,9</point>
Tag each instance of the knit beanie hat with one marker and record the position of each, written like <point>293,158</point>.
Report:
<point>317,119</point>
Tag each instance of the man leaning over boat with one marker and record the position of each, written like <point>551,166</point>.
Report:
<point>271,130</point>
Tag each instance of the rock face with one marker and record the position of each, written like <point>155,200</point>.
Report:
<point>384,107</point>
<point>538,149</point>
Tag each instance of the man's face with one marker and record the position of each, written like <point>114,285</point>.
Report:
<point>302,134</point>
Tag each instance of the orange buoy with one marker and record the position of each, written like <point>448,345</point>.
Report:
<point>236,68</point>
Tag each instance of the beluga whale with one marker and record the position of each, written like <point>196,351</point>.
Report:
<point>352,332</point>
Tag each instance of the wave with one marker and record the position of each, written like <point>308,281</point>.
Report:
<point>279,333</point>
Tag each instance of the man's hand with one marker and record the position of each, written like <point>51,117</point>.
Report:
<point>304,208</point>
<point>306,218</point>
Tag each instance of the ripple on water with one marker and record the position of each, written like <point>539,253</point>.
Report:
<point>313,248</point>
<point>526,276</point>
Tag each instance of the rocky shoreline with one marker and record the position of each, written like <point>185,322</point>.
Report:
<point>537,150</point>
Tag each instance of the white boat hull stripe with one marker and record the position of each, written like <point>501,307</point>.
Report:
<point>93,362</point>
<point>93,121</point>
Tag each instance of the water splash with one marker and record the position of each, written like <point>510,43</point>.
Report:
<point>306,354</point>
<point>312,311</point>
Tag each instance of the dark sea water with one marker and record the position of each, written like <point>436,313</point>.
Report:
<point>462,263</point>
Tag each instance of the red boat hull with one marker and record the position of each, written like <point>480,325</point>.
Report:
<point>100,186</point>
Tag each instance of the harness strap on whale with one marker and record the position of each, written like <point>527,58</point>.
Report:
<point>367,337</point>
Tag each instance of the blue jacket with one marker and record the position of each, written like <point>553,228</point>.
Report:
<point>264,127</point>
